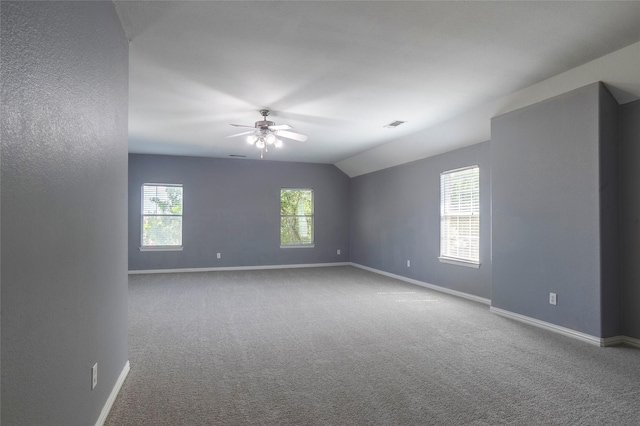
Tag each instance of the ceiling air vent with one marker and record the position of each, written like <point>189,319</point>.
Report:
<point>394,124</point>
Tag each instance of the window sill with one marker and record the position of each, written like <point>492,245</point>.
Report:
<point>459,262</point>
<point>296,246</point>
<point>162,248</point>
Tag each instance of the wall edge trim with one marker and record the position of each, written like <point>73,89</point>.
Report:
<point>426,285</point>
<point>631,341</point>
<point>612,341</point>
<point>236,268</point>
<point>598,341</point>
<point>112,396</point>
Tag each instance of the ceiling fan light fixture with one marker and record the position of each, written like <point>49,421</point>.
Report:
<point>270,138</point>
<point>266,133</point>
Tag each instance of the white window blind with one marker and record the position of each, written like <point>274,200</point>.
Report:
<point>460,215</point>
<point>161,215</point>
<point>296,217</point>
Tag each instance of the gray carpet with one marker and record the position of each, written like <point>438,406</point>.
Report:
<point>342,346</point>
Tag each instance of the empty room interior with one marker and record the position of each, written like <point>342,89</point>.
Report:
<point>319,212</point>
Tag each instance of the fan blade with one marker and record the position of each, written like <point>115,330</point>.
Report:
<point>280,127</point>
<point>240,134</point>
<point>292,135</point>
<point>242,125</point>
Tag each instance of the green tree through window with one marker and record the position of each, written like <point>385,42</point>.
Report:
<point>161,215</point>
<point>296,217</point>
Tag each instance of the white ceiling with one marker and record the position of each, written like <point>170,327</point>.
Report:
<point>339,71</point>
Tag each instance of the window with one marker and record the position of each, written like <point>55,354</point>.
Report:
<point>296,218</point>
<point>460,216</point>
<point>161,217</point>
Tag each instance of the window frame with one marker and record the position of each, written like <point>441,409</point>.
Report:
<point>446,256</point>
<point>175,247</point>
<point>312,216</point>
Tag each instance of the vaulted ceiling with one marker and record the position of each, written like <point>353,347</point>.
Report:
<point>339,71</point>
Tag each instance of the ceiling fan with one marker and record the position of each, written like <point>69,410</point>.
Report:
<point>266,133</point>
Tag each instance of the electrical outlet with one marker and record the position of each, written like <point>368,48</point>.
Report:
<point>553,298</point>
<point>218,255</point>
<point>408,264</point>
<point>94,376</point>
<point>338,251</point>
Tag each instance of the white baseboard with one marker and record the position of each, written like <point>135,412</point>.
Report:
<point>631,341</point>
<point>112,396</point>
<point>426,285</point>
<point>237,268</point>
<point>612,341</point>
<point>598,341</point>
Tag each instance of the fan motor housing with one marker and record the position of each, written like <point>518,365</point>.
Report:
<point>263,125</point>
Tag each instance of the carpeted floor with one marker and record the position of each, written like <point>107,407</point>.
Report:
<point>342,346</point>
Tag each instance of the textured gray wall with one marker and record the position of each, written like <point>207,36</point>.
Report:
<point>232,207</point>
<point>64,220</point>
<point>609,150</point>
<point>546,210</point>
<point>395,217</point>
<point>630,217</point>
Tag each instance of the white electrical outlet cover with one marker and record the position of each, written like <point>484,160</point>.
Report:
<point>94,376</point>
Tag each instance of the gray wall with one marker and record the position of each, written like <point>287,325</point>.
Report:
<point>395,217</point>
<point>64,173</point>
<point>548,163</point>
<point>630,217</point>
<point>232,207</point>
<point>609,186</point>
